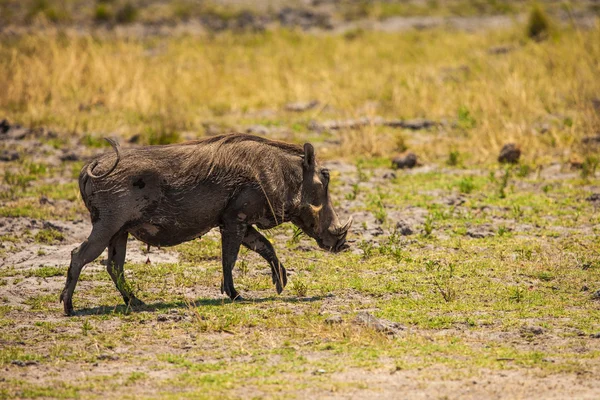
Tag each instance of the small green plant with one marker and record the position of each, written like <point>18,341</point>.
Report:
<point>161,136</point>
<point>453,158</point>
<point>589,166</point>
<point>503,184</point>
<point>523,170</point>
<point>516,294</point>
<point>299,288</point>
<point>362,176</point>
<point>296,236</point>
<point>428,226</point>
<point>442,275</point>
<point>86,327</point>
<point>355,191</point>
<point>465,119</point>
<point>538,24</point>
<point>502,230</point>
<point>103,13</point>
<point>367,248</point>
<point>49,236</point>
<point>516,211</point>
<point>126,14</point>
<point>466,185</point>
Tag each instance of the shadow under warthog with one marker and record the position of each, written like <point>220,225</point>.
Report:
<point>163,306</point>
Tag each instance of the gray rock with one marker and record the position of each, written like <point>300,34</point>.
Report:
<point>301,106</point>
<point>334,319</point>
<point>9,155</point>
<point>533,329</point>
<point>380,325</point>
<point>406,160</point>
<point>509,154</point>
<point>69,156</point>
<point>403,228</point>
<point>593,198</point>
<point>480,232</point>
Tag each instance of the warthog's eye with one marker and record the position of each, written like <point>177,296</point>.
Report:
<point>325,174</point>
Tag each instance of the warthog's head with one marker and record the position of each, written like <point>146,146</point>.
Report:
<point>316,216</point>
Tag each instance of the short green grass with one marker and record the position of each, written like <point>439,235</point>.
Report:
<point>459,299</point>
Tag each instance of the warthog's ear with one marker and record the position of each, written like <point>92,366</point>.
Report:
<point>309,156</point>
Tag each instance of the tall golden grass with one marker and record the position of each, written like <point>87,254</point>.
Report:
<point>108,84</point>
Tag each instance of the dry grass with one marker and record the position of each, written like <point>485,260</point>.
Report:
<point>106,85</point>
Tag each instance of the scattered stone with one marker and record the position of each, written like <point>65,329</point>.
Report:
<point>109,357</point>
<point>497,50</point>
<point>319,372</point>
<point>135,138</point>
<point>480,232</point>
<point>69,156</point>
<point>9,155</point>
<point>405,160</point>
<point>4,126</point>
<point>510,154</point>
<point>413,124</point>
<point>306,19</point>
<point>533,329</point>
<point>591,139</point>
<point>595,335</point>
<point>389,175</point>
<point>585,288</point>
<point>258,130</point>
<point>594,198</point>
<point>455,201</point>
<point>45,200</point>
<point>26,363</point>
<point>596,295</point>
<point>403,228</point>
<point>575,162</point>
<point>173,317</point>
<point>380,325</point>
<point>301,106</point>
<point>334,319</point>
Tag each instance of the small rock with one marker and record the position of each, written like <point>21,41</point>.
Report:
<point>380,325</point>
<point>585,288</point>
<point>595,335</point>
<point>25,363</point>
<point>406,160</point>
<point>403,228</point>
<point>135,138</point>
<point>45,200</point>
<point>319,372</point>
<point>510,154</point>
<point>536,330</point>
<point>479,232</point>
<point>334,319</point>
<point>593,198</point>
<point>69,156</point>
<point>9,155</point>
<point>258,130</point>
<point>4,126</point>
<point>413,124</point>
<point>110,357</point>
<point>596,295</point>
<point>162,318</point>
<point>591,139</point>
<point>497,50</point>
<point>389,175</point>
<point>301,106</point>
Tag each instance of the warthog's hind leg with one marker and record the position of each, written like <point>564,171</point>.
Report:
<point>117,248</point>
<point>258,243</point>
<point>87,252</point>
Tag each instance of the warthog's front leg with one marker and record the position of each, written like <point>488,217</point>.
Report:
<point>258,243</point>
<point>231,239</point>
<point>117,248</point>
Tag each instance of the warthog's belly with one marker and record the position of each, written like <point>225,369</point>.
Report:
<point>160,235</point>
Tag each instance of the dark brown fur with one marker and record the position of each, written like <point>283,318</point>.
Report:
<point>166,195</point>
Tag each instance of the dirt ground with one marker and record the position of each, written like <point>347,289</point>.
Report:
<point>106,350</point>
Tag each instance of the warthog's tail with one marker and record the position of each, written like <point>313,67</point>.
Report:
<point>115,146</point>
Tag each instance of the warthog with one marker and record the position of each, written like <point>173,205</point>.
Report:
<point>167,195</point>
